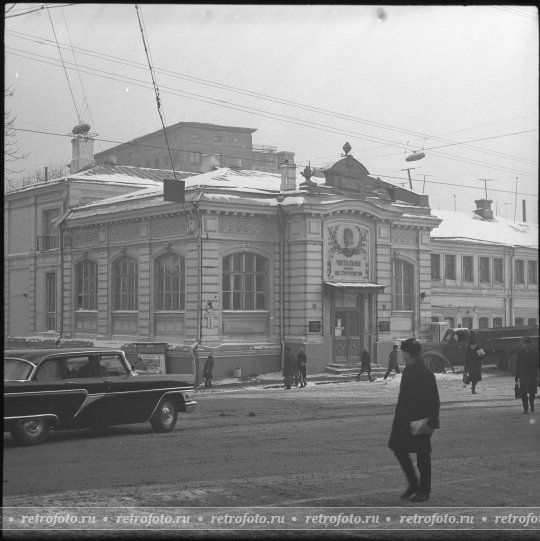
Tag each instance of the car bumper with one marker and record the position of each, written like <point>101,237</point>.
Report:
<point>188,407</point>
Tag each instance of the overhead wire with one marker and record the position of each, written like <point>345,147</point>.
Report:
<point>80,80</point>
<point>259,112</point>
<point>159,105</point>
<point>401,179</point>
<point>64,66</point>
<point>285,102</point>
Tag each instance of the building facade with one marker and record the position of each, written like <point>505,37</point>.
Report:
<point>253,261</point>
<point>196,147</point>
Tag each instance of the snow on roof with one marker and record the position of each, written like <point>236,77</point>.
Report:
<point>474,228</point>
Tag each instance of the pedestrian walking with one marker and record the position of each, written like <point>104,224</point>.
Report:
<point>473,363</point>
<point>289,368</point>
<point>527,368</point>
<point>208,370</point>
<point>418,403</point>
<point>365,365</point>
<point>392,362</point>
<point>301,366</point>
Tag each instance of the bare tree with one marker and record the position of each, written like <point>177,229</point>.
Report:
<point>12,152</point>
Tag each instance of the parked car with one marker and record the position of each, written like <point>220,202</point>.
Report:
<point>55,389</point>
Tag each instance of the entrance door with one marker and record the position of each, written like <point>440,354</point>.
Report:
<point>347,335</point>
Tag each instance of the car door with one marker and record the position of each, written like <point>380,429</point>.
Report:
<point>129,399</point>
<point>83,376</point>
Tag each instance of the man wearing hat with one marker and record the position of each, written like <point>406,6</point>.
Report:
<point>208,369</point>
<point>418,400</point>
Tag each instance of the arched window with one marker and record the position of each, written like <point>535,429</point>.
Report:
<point>402,285</point>
<point>169,279</point>
<point>245,282</point>
<point>483,323</point>
<point>86,276</point>
<point>531,322</point>
<point>497,322</point>
<point>125,284</point>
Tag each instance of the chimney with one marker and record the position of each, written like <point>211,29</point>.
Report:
<point>82,149</point>
<point>483,208</point>
<point>288,177</point>
<point>524,210</point>
<point>209,162</point>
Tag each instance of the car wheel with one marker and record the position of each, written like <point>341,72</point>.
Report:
<point>30,431</point>
<point>165,417</point>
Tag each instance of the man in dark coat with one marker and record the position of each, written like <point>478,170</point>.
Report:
<point>301,366</point>
<point>527,374</point>
<point>289,368</point>
<point>473,364</point>
<point>365,365</point>
<point>418,399</point>
<point>208,369</point>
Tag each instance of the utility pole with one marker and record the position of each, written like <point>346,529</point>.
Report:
<point>424,184</point>
<point>408,169</point>
<point>485,181</point>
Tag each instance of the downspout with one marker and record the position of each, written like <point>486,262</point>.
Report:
<point>281,285</point>
<point>199,300</point>
<point>61,226</point>
<point>511,310</point>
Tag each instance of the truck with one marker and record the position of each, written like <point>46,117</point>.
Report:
<point>447,347</point>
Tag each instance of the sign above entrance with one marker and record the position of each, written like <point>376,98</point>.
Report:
<point>346,250</point>
<point>365,286</point>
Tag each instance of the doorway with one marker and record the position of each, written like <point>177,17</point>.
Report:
<point>352,324</point>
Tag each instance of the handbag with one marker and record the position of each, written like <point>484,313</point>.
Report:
<point>517,390</point>
<point>466,379</point>
<point>420,427</point>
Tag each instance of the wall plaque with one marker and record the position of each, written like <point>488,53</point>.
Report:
<point>384,326</point>
<point>347,249</point>
<point>314,326</point>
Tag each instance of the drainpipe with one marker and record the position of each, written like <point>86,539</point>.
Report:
<point>281,227</point>
<point>511,300</point>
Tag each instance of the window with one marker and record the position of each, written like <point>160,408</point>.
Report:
<point>450,267</point>
<point>112,365</point>
<point>467,322</point>
<point>402,285</point>
<point>435,267</point>
<point>80,367</point>
<point>484,269</point>
<point>245,282</point>
<point>194,157</point>
<point>497,322</point>
<point>498,270</point>
<point>125,279</point>
<point>467,269</point>
<point>519,277</point>
<point>450,321</point>
<point>518,322</point>
<point>51,370</point>
<point>86,276</point>
<point>169,282</point>
<point>50,301</point>
<point>483,323</point>
<point>531,322</point>
<point>217,139</point>
<point>195,137</point>
<point>50,238</point>
<point>531,272</point>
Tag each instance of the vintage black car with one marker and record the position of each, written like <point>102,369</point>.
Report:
<point>55,389</point>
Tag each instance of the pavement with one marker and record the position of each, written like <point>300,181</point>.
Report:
<point>275,380</point>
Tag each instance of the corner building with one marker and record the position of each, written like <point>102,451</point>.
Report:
<point>251,262</point>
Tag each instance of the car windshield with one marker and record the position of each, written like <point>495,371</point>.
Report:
<point>17,369</point>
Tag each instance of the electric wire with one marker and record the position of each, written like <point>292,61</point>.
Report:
<point>402,179</point>
<point>65,70</point>
<point>277,116</point>
<point>158,101</point>
<point>280,101</point>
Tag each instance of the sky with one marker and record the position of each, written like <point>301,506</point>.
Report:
<point>459,83</point>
